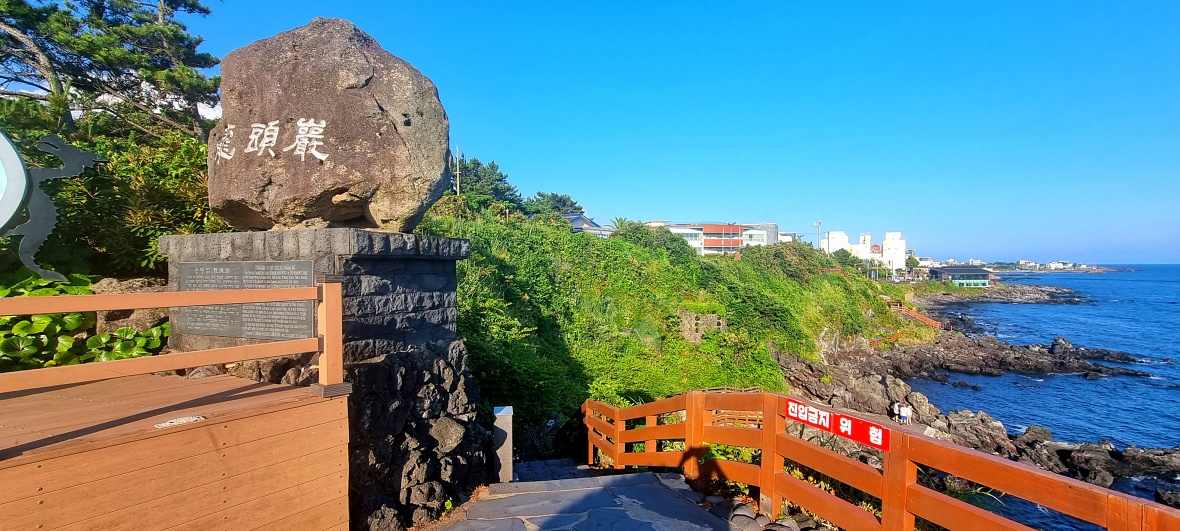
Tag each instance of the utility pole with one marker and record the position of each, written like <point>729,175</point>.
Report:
<point>458,170</point>
<point>819,225</point>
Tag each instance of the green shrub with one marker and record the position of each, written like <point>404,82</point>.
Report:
<point>552,317</point>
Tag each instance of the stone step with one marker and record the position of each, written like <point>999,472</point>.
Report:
<point>617,480</point>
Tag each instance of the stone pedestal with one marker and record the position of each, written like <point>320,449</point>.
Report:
<point>414,439</point>
<point>502,444</point>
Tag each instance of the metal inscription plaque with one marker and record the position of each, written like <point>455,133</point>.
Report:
<point>266,320</point>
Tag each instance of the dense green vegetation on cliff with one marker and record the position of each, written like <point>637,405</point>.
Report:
<point>553,317</point>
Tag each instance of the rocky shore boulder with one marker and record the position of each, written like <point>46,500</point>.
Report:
<point>141,320</point>
<point>322,127</point>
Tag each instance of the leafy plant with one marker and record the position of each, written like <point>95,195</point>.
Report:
<point>50,340</point>
<point>125,343</point>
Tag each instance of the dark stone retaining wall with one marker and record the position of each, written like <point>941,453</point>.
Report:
<point>414,439</point>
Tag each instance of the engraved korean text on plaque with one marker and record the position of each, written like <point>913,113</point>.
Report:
<point>265,320</point>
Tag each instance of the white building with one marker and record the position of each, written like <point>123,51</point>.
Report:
<point>891,253</point>
<point>893,250</point>
<point>863,248</point>
<point>835,240</point>
<point>760,234</point>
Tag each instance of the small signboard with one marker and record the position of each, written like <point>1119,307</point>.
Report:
<point>849,427</point>
<point>266,320</point>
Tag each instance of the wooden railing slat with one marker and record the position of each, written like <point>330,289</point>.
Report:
<point>1070,496</point>
<point>666,431</point>
<point>845,469</point>
<point>731,470</point>
<point>92,372</point>
<point>134,301</point>
<point>602,408</point>
<point>604,445</point>
<point>594,422</point>
<point>747,437</point>
<point>659,407</point>
<point>951,513</point>
<point>826,504</point>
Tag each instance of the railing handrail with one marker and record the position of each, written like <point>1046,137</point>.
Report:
<point>902,498</point>
<point>165,299</point>
<point>328,343</point>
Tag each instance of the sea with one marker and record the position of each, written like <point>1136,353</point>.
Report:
<point>1134,309</point>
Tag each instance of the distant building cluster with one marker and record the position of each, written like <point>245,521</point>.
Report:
<point>890,253</point>
<point>723,238</point>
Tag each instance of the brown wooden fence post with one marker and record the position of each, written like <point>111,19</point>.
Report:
<point>586,413</point>
<point>330,326</point>
<point>650,444</point>
<point>1122,515</point>
<point>899,474</point>
<point>772,463</point>
<point>620,446</point>
<point>694,433</point>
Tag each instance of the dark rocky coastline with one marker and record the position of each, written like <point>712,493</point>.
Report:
<point>858,378</point>
<point>1007,293</point>
<point>956,352</point>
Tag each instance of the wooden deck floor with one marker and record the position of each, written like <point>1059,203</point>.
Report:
<point>91,456</point>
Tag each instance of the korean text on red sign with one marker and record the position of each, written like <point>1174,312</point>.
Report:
<point>861,431</point>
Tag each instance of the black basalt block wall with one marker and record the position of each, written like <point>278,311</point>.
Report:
<point>414,439</point>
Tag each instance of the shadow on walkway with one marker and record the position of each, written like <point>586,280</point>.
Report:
<point>638,502</point>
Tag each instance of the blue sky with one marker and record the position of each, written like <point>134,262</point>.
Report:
<point>993,130</point>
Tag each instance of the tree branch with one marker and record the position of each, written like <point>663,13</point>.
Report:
<point>128,121</point>
<point>110,91</point>
<point>42,97</point>
<point>43,65</point>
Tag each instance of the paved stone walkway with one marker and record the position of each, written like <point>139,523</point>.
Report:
<point>629,502</point>
<point>551,469</point>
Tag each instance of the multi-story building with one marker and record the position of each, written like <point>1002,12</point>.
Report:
<point>893,251</point>
<point>721,238</point>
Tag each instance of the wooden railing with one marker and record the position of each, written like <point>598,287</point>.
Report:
<point>888,339</point>
<point>329,343</point>
<point>676,431</point>
<point>921,317</point>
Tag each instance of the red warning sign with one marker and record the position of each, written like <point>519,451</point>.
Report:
<point>849,427</point>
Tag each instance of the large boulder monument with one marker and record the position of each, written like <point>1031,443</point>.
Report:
<point>321,128</point>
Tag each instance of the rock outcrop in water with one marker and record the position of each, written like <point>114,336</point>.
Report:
<point>1010,293</point>
<point>986,355</point>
